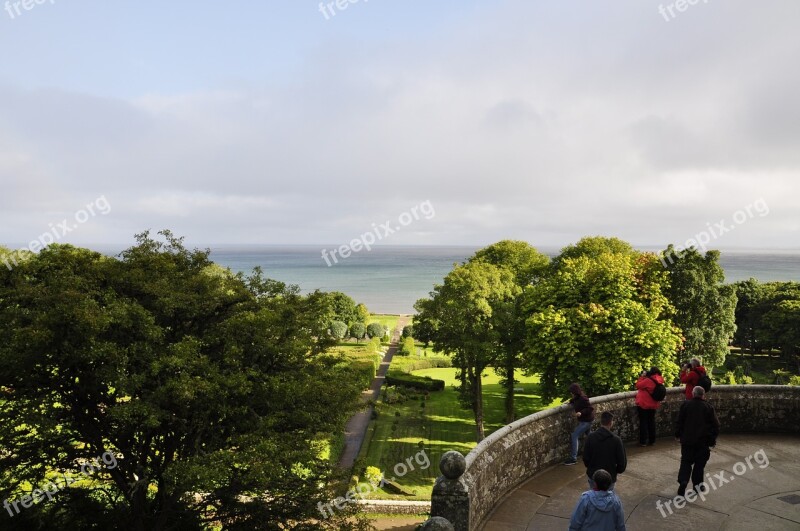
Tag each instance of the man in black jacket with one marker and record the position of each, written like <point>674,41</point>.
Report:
<point>604,450</point>
<point>697,430</point>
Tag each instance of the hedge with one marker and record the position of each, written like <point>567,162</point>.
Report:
<point>365,370</point>
<point>423,383</point>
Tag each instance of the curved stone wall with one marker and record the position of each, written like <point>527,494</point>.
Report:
<point>518,451</point>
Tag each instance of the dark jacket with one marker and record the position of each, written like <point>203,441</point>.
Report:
<point>581,404</point>
<point>604,450</point>
<point>697,423</point>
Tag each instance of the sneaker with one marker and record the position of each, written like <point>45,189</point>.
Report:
<point>643,445</point>
<point>570,461</point>
<point>682,489</point>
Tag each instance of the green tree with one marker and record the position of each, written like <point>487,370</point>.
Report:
<point>358,331</point>
<point>598,318</point>
<point>204,385</point>
<point>527,265</point>
<point>338,329</point>
<point>375,330</point>
<point>705,308</point>
<point>749,314</point>
<point>408,331</point>
<point>345,308</point>
<point>783,321</point>
<point>467,325</point>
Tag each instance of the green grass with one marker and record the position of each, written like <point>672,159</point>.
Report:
<point>442,425</point>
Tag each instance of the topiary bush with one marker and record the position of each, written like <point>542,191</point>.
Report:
<point>376,330</point>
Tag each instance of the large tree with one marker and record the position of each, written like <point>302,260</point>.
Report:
<point>598,318</point>
<point>527,265</point>
<point>204,385</point>
<point>466,321</point>
<point>705,308</point>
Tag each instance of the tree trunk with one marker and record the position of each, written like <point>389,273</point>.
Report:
<point>478,405</point>
<point>510,417</point>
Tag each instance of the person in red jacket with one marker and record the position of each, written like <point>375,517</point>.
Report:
<point>690,375</point>
<point>646,405</point>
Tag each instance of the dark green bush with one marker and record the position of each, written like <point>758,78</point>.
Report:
<point>423,383</point>
<point>365,369</point>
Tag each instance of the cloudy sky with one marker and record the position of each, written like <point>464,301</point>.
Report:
<point>276,122</point>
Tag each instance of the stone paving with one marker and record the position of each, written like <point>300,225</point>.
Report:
<point>764,497</point>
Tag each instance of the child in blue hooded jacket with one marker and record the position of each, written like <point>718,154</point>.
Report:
<point>599,509</point>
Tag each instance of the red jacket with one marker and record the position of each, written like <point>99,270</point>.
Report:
<point>646,386</point>
<point>690,379</point>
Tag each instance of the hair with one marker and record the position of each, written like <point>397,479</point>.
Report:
<point>606,418</point>
<point>602,479</point>
<point>698,392</point>
<point>575,389</point>
<point>655,370</point>
<point>695,362</point>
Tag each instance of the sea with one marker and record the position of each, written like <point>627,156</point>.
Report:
<point>389,279</point>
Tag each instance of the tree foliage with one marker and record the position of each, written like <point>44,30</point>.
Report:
<point>705,308</point>
<point>338,329</point>
<point>204,385</point>
<point>598,318</point>
<point>527,265</point>
<point>375,330</point>
<point>465,324</point>
<point>358,331</point>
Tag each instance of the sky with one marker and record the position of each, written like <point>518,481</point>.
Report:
<point>455,122</point>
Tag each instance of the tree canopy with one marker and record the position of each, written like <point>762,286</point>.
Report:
<point>705,308</point>
<point>204,385</point>
<point>464,322</point>
<point>598,318</point>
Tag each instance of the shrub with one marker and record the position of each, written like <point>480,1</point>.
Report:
<point>365,369</point>
<point>408,331</point>
<point>781,376</point>
<point>794,380</point>
<point>375,330</point>
<point>407,347</point>
<point>373,474</point>
<point>415,364</point>
<point>730,378</point>
<point>338,329</point>
<point>373,346</point>
<point>357,331</point>
<point>423,383</point>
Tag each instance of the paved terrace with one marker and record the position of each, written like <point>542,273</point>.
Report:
<point>513,479</point>
<point>765,498</point>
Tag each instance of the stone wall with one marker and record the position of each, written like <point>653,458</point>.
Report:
<point>518,451</point>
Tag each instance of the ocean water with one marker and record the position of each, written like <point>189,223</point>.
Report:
<point>389,279</point>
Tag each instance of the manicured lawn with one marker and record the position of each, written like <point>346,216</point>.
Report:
<point>441,425</point>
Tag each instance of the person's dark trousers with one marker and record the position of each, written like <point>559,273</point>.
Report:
<point>647,425</point>
<point>693,463</point>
